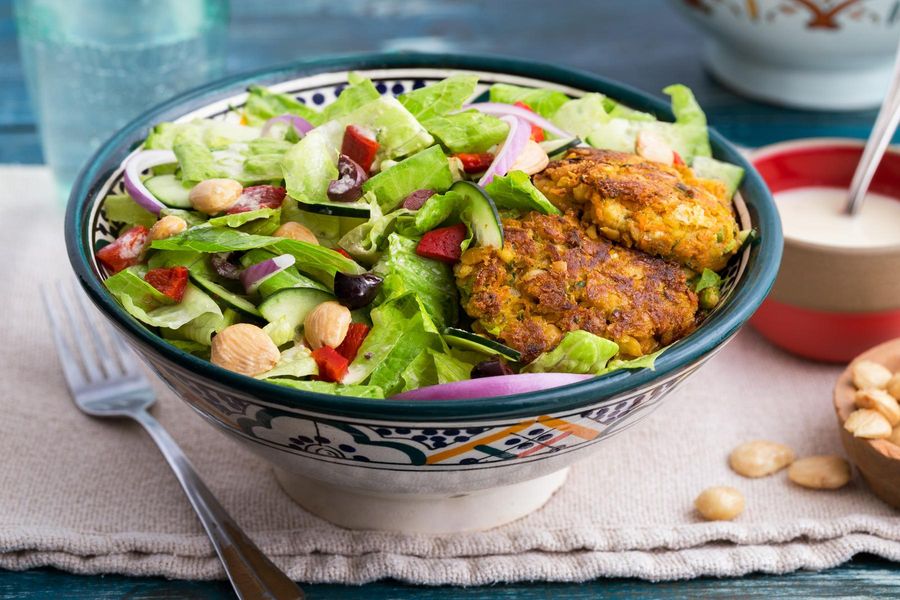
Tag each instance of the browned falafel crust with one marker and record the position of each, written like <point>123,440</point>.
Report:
<point>554,275</point>
<point>663,210</point>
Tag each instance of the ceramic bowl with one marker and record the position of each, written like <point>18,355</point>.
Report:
<point>829,303</point>
<point>431,466</point>
<point>815,54</point>
<point>877,460</point>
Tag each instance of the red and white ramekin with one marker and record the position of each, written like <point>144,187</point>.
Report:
<point>829,303</point>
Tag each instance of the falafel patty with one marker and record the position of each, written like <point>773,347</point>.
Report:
<point>663,210</point>
<point>554,275</point>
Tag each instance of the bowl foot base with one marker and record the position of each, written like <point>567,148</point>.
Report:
<point>412,513</point>
<point>851,87</point>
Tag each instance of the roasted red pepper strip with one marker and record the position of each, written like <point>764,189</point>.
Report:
<point>126,251</point>
<point>677,159</point>
<point>443,244</point>
<point>170,281</point>
<point>343,253</point>
<point>475,162</point>
<point>256,197</point>
<point>332,366</point>
<point>356,334</point>
<point>359,147</point>
<point>537,134</point>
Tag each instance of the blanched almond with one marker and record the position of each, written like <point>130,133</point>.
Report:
<point>881,401</point>
<point>820,472</point>
<point>213,196</point>
<point>868,374</point>
<point>327,325</point>
<point>531,160</point>
<point>296,231</point>
<point>893,386</point>
<point>244,348</point>
<point>868,423</point>
<point>760,458</point>
<point>721,503</point>
<point>167,227</point>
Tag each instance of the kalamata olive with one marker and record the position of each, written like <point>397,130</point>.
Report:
<point>347,187</point>
<point>491,368</point>
<point>225,264</point>
<point>356,291</point>
<point>417,199</point>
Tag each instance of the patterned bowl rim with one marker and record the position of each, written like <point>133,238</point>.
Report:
<point>755,283</point>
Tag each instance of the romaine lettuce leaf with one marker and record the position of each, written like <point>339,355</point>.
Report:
<point>242,218</point>
<point>360,91</point>
<point>196,161</point>
<point>335,389</point>
<point>431,281</point>
<point>312,163</point>
<point>707,279</point>
<point>581,115</point>
<point>263,104</point>
<point>450,368</point>
<point>401,331</point>
<point>542,101</point>
<point>426,170</point>
<point>438,209</point>
<point>296,361</point>
<point>121,208</point>
<point>469,131</point>
<point>578,352</point>
<point>366,241</point>
<point>515,191</point>
<point>206,132</point>
<point>642,362</point>
<point>420,372</point>
<point>439,98</point>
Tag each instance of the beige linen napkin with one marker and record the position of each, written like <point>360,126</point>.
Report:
<point>95,496</point>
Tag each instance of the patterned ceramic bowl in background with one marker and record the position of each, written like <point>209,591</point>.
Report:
<point>415,465</point>
<point>816,54</point>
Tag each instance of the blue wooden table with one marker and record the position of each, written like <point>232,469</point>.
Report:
<point>640,42</point>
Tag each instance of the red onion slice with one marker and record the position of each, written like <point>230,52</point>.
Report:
<point>301,125</point>
<point>137,164</point>
<point>254,275</point>
<point>519,134</point>
<point>499,109</point>
<point>485,387</point>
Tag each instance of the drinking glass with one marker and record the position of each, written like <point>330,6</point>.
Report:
<point>93,65</point>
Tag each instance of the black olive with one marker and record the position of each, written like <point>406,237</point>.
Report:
<point>356,291</point>
<point>417,199</point>
<point>347,187</point>
<point>491,368</point>
<point>225,264</point>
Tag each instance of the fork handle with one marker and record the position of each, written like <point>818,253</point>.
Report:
<point>252,574</point>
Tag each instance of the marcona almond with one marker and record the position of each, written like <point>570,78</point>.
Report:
<point>296,231</point>
<point>327,325</point>
<point>881,401</point>
<point>532,159</point>
<point>213,196</point>
<point>893,386</point>
<point>895,436</point>
<point>651,146</point>
<point>167,227</point>
<point>820,472</point>
<point>721,503</point>
<point>868,374</point>
<point>867,423</point>
<point>760,458</point>
<point>245,349</point>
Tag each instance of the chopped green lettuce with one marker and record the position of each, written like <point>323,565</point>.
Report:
<point>431,281</point>
<point>242,218</point>
<point>360,91</point>
<point>296,361</point>
<point>469,131</point>
<point>438,209</point>
<point>324,387</point>
<point>206,132</point>
<point>450,368</point>
<point>642,362</point>
<point>542,101</point>
<point>263,104</point>
<point>120,208</point>
<point>366,241</point>
<point>710,168</point>
<point>578,352</point>
<point>420,372</point>
<point>439,98</point>
<point>582,115</point>
<point>515,191</point>
<point>312,163</point>
<point>707,279</point>
<point>426,170</point>
<point>401,331</point>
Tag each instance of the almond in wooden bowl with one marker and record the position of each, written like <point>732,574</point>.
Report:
<point>874,452</point>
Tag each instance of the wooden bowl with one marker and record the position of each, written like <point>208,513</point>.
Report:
<point>877,460</point>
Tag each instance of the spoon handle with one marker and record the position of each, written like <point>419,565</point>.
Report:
<point>882,132</point>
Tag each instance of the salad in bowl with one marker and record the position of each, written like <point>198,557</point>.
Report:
<point>454,241</point>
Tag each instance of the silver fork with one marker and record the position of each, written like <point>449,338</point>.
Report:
<point>105,380</point>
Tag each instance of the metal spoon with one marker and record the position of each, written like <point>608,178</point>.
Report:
<point>882,132</point>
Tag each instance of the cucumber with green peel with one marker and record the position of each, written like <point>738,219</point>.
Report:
<point>288,279</point>
<point>710,168</point>
<point>558,146</point>
<point>230,298</point>
<point>356,210</point>
<point>288,308</point>
<point>466,340</point>
<point>169,190</point>
<point>480,214</point>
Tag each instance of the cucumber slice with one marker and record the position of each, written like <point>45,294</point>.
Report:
<point>169,190</point>
<point>480,214</point>
<point>710,168</point>
<point>466,340</point>
<point>288,279</point>
<point>337,209</point>
<point>558,146</point>
<point>288,308</point>
<point>230,298</point>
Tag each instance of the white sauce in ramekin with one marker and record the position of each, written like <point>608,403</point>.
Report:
<point>816,215</point>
